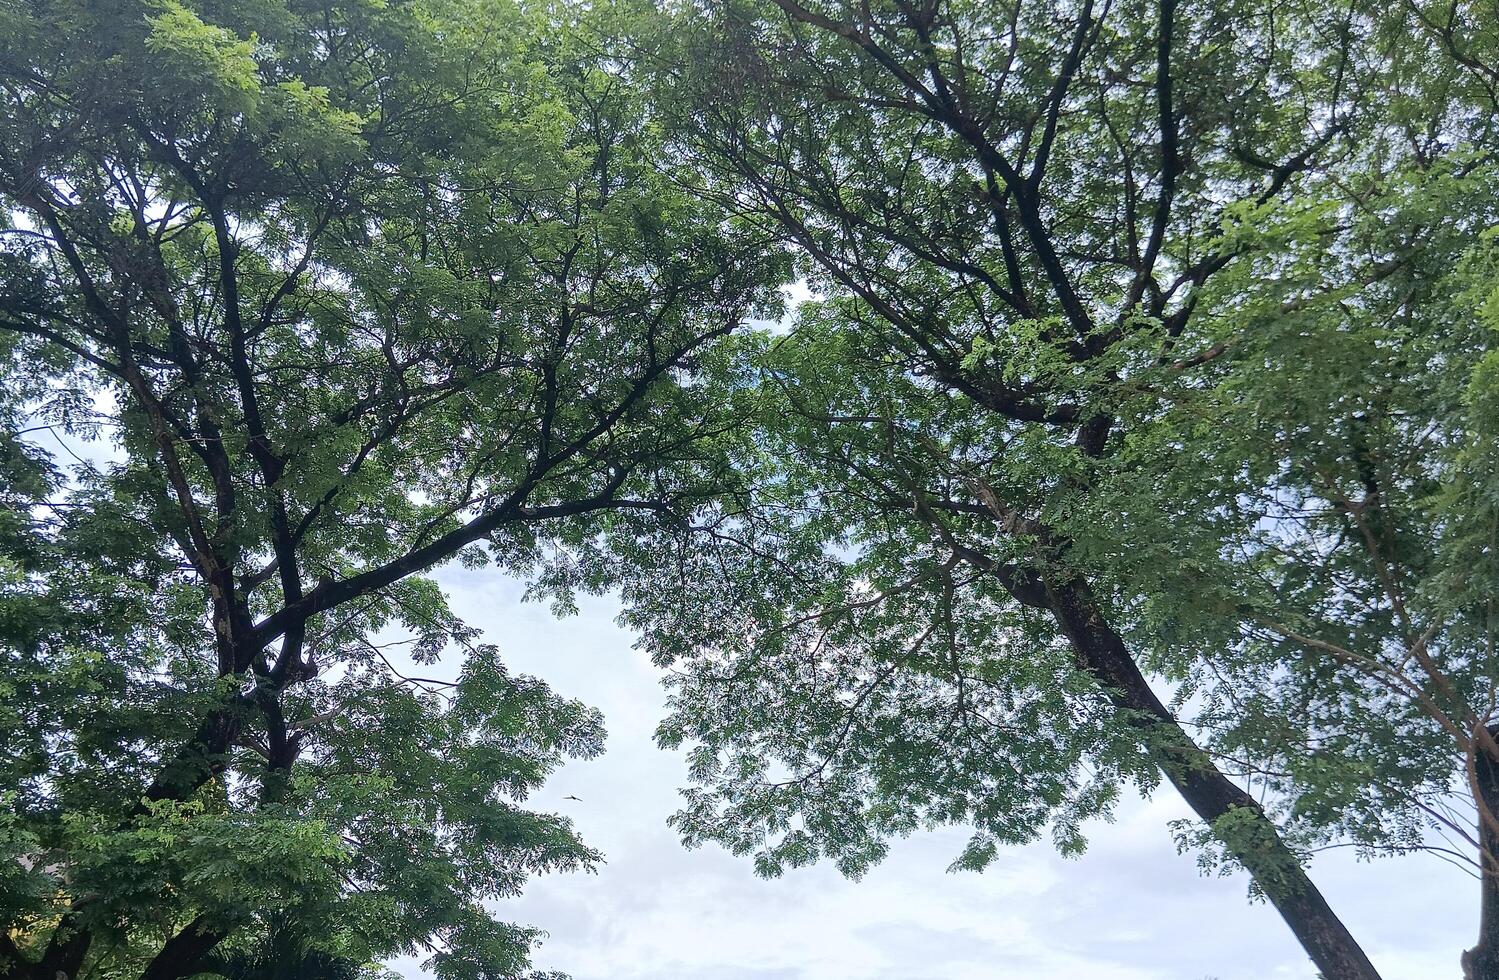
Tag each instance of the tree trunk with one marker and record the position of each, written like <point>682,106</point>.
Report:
<point>1482,961</point>
<point>1255,842</point>
<point>202,757</point>
<point>184,953</point>
<point>195,762</point>
<point>62,958</point>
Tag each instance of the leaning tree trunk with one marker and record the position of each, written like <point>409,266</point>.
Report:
<point>1256,842</point>
<point>1482,961</point>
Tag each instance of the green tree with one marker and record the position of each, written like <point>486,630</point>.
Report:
<point>1116,303</point>
<point>347,289</point>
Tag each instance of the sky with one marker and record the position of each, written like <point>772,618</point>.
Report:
<point>1131,908</point>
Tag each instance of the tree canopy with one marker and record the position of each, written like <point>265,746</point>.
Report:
<point>1141,431</point>
<point>1150,340</point>
<point>337,292</point>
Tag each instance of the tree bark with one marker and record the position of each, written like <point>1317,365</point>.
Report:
<point>1258,845</point>
<point>63,956</point>
<point>1482,961</point>
<point>200,758</point>
<point>184,952</point>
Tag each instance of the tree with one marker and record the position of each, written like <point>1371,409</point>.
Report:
<point>1106,288</point>
<point>347,290</point>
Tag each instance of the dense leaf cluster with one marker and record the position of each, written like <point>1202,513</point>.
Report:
<point>297,301</point>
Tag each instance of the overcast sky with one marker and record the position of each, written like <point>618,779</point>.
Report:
<point>1130,909</point>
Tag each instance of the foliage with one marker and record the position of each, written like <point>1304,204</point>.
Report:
<point>1144,342</point>
<point>327,294</point>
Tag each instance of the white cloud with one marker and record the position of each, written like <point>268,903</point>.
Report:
<point>1130,909</point>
